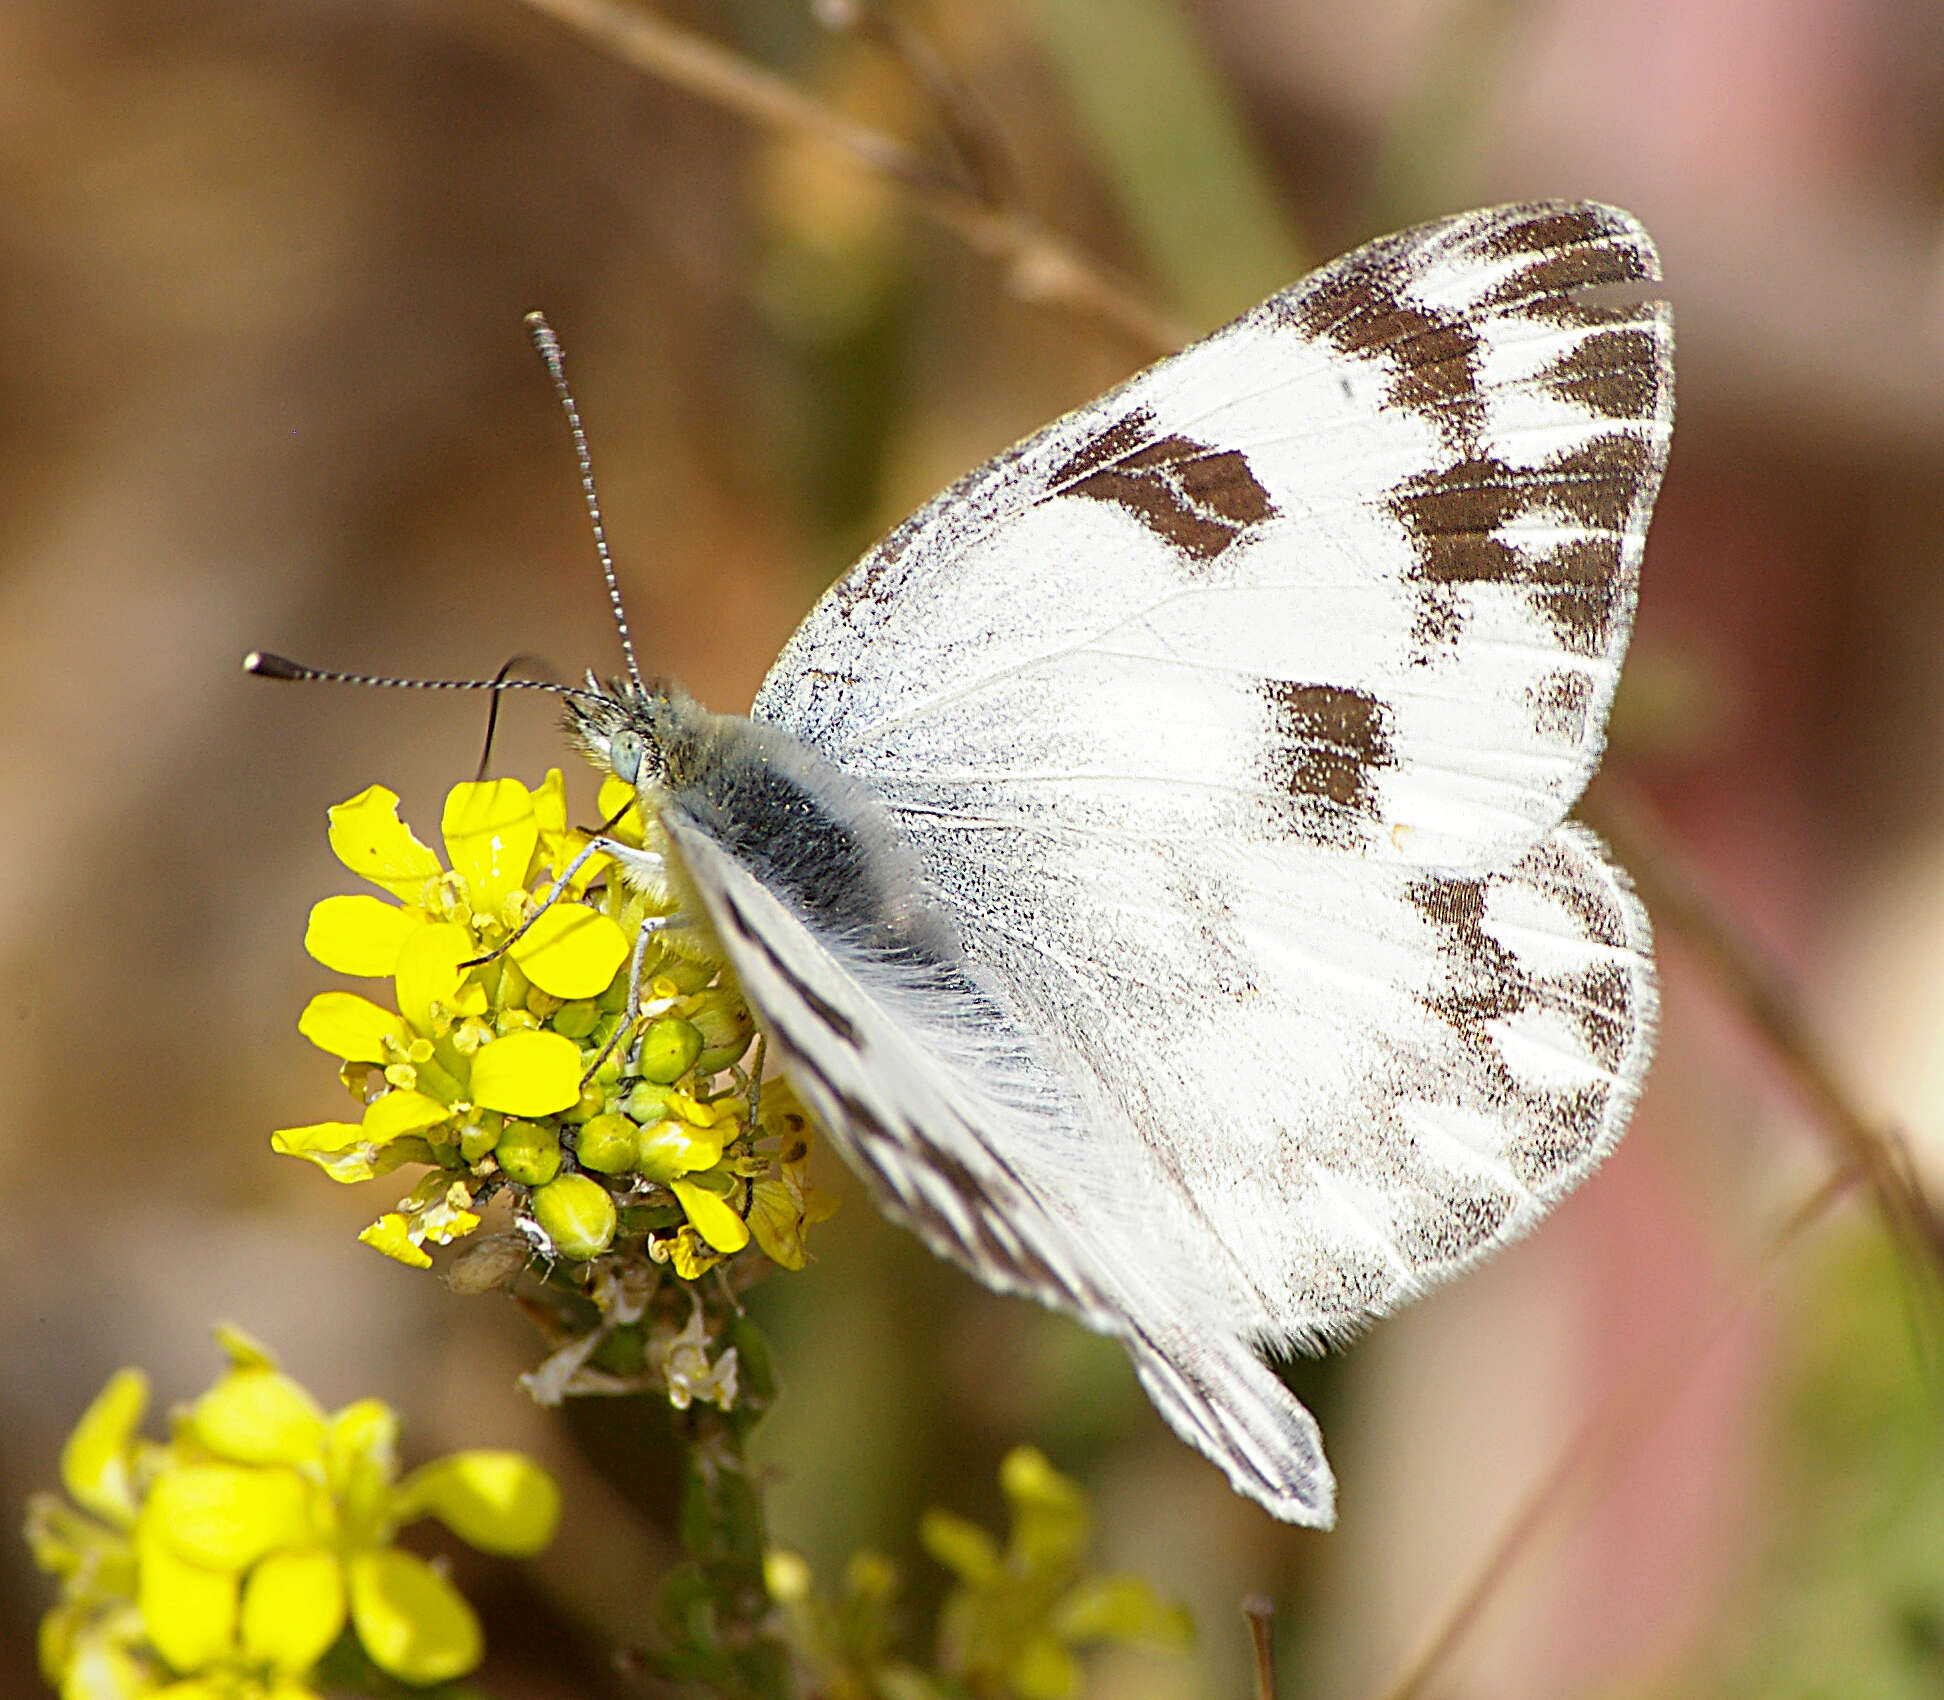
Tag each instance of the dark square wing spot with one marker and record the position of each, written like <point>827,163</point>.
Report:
<point>1434,356</point>
<point>1326,746</point>
<point>1451,1227</point>
<point>1612,373</point>
<point>1560,1140</point>
<point>1482,983</point>
<point>1457,519</point>
<point>1194,497</point>
<point>1559,704</point>
<point>1545,232</point>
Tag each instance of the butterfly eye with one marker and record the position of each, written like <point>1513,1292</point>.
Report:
<point>624,756</point>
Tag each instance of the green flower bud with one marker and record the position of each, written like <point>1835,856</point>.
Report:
<point>577,1019</point>
<point>592,1101</point>
<point>668,1049</point>
<point>478,1138</point>
<point>607,1143</point>
<point>687,974</point>
<point>577,1215</point>
<point>648,1103</point>
<point>723,1020</point>
<point>529,1153</point>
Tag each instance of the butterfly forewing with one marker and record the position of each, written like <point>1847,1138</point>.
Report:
<point>1357,570</point>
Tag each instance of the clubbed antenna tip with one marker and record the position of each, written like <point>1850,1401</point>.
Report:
<point>547,346</point>
<point>267,666</point>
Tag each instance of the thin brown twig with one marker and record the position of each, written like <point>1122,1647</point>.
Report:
<point>1260,1613</point>
<point>1600,1442</point>
<point>963,118</point>
<point>1677,892</point>
<point>1038,265</point>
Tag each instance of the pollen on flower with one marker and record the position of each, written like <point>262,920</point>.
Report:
<point>507,1061</point>
<point>228,1559</point>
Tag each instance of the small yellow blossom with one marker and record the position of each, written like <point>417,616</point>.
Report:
<point>1018,1616</point>
<point>226,1562</point>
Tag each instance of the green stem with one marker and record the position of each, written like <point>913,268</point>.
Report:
<point>724,1532</point>
<point>719,1625</point>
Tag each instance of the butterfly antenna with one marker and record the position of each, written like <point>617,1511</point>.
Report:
<point>492,712</point>
<point>267,666</point>
<point>547,346</point>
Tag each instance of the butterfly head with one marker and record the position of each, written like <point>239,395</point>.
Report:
<point>630,730</point>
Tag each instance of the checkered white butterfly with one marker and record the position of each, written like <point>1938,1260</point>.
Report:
<point>1151,862</point>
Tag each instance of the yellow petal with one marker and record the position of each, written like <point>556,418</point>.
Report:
<point>361,1459</point>
<point>414,1624</point>
<point>1044,1670</point>
<point>351,1027</point>
<point>243,1349</point>
<point>340,1149</point>
<point>776,1219</point>
<point>372,842</point>
<point>293,1608</point>
<point>674,1148</point>
<point>444,1213</point>
<point>572,951</point>
<point>258,1416</point>
<point>1121,1608</point>
<point>964,1548</point>
<point>1050,1520</point>
<point>99,1668</point>
<point>428,973</point>
<point>359,935</point>
<point>619,799</point>
<point>491,834</point>
<point>391,1234</point>
<point>550,805</point>
<point>690,1255</point>
<point>711,1216</point>
<point>188,1610</point>
<point>527,1074</point>
<point>97,1463</point>
<point>400,1113</point>
<point>227,1516</point>
<point>500,1502</point>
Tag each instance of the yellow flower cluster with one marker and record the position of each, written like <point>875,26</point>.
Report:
<point>1011,1627</point>
<point>512,1063</point>
<point>224,1563</point>
<point>1018,1614</point>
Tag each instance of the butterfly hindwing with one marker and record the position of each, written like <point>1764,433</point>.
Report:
<point>943,1106</point>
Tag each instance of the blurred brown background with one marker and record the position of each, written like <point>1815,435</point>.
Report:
<point>262,269</point>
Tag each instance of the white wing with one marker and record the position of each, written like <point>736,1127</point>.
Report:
<point>948,1112</point>
<point>1234,719</point>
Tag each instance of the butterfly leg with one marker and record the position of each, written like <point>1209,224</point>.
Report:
<point>580,861</point>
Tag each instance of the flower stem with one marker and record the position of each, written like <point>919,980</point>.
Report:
<point>718,1625</point>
